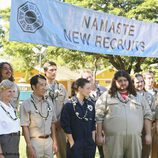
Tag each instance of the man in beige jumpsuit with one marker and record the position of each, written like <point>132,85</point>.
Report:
<point>121,113</point>
<point>37,118</point>
<point>149,86</point>
<point>56,93</point>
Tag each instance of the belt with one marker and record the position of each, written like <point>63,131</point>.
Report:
<point>15,134</point>
<point>42,137</point>
<point>12,134</point>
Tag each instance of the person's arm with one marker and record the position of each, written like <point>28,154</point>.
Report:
<point>30,150</point>
<point>25,122</point>
<point>147,126</point>
<point>94,124</point>
<point>156,127</point>
<point>99,135</point>
<point>65,123</point>
<point>100,109</point>
<point>1,152</point>
<point>147,120</point>
<point>53,135</point>
<point>93,135</point>
<point>70,139</point>
<point>156,118</point>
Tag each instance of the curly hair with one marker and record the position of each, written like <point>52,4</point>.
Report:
<point>122,73</point>
<point>1,68</point>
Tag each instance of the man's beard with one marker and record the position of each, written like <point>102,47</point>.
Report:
<point>122,89</point>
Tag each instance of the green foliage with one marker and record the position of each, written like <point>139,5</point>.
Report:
<point>5,13</point>
<point>2,34</point>
<point>147,11</point>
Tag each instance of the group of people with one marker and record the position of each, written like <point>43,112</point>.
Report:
<point>39,115</point>
<point>121,121</point>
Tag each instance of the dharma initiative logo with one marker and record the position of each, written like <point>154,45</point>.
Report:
<point>29,17</point>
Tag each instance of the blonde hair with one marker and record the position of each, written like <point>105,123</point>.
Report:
<point>6,84</point>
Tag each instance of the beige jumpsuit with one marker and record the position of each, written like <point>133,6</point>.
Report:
<point>56,94</point>
<point>146,149</point>
<point>154,151</point>
<point>122,123</point>
<point>39,126</point>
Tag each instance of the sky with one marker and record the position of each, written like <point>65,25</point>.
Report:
<point>5,4</point>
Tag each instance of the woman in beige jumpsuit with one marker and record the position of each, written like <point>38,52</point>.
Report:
<point>139,84</point>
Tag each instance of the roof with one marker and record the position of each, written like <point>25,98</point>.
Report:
<point>64,73</point>
<point>109,68</point>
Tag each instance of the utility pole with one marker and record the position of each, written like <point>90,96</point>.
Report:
<point>39,52</point>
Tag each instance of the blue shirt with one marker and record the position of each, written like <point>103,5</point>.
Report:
<point>80,126</point>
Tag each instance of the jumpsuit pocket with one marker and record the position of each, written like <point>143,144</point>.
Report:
<point>73,152</point>
<point>71,147</point>
<point>35,120</point>
<point>136,105</point>
<point>136,116</point>
<point>113,109</point>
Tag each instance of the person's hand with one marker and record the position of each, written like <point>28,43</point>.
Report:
<point>71,144</point>
<point>31,153</point>
<point>148,139</point>
<point>55,148</point>
<point>156,127</point>
<point>57,125</point>
<point>99,140</point>
<point>1,155</point>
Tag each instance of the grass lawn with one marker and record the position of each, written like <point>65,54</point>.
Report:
<point>23,148</point>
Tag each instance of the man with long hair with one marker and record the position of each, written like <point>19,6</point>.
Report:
<point>6,72</point>
<point>121,114</point>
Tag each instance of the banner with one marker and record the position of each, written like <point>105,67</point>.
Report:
<point>54,23</point>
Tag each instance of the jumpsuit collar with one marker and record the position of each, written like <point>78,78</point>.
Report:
<point>129,97</point>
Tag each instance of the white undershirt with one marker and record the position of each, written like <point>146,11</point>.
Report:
<point>7,125</point>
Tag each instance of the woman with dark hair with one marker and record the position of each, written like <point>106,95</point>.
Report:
<point>6,72</point>
<point>139,84</point>
<point>78,121</point>
<point>121,114</point>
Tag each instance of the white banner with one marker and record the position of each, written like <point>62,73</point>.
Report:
<point>55,23</point>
